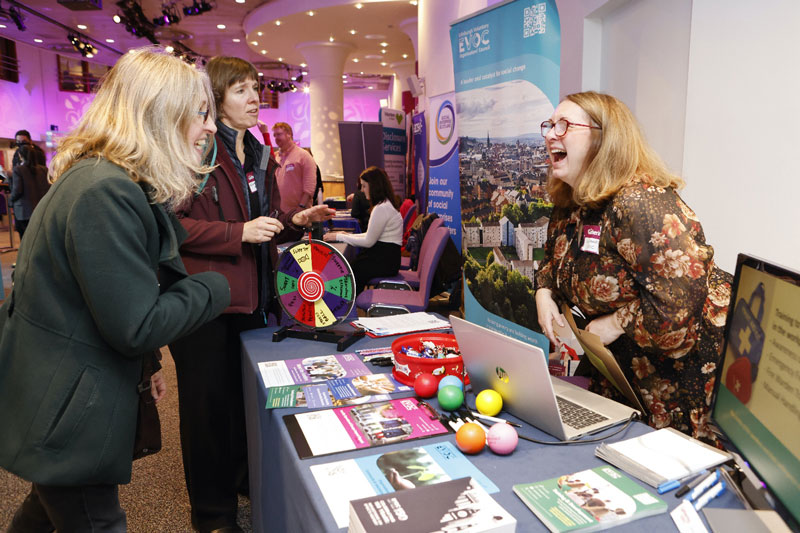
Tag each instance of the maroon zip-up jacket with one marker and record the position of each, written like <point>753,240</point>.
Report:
<point>215,244</point>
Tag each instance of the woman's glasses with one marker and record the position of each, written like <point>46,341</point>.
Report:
<point>561,126</point>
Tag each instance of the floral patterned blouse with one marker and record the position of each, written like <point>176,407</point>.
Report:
<point>653,268</point>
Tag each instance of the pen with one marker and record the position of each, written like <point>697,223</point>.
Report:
<point>686,487</point>
<point>712,493</point>
<point>703,486</point>
<point>495,419</point>
<point>668,486</point>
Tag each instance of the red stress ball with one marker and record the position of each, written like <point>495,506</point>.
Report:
<point>470,438</point>
<point>426,385</point>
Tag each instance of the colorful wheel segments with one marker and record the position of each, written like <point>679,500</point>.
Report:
<point>315,284</point>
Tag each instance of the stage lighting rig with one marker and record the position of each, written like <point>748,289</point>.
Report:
<point>198,7</point>
<point>15,16</point>
<point>83,46</point>
<point>134,20</point>
<point>169,15</point>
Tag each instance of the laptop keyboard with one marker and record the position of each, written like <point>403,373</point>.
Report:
<point>576,416</point>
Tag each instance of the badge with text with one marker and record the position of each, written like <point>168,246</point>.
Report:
<point>251,182</point>
<point>591,239</point>
<point>289,168</point>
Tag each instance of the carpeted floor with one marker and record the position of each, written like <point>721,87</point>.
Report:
<point>156,499</point>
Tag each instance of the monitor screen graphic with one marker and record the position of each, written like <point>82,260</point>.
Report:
<point>758,381</point>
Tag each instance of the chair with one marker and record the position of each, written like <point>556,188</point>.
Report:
<point>411,277</point>
<point>371,300</point>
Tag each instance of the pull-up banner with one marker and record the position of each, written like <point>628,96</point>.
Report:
<point>507,70</point>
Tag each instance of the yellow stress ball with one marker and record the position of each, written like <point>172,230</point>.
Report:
<point>489,402</point>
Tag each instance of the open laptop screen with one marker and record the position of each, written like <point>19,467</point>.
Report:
<point>758,381</point>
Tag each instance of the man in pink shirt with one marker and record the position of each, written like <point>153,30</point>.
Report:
<point>297,175</point>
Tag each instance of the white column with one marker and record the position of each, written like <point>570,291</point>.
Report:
<point>402,71</point>
<point>326,65</point>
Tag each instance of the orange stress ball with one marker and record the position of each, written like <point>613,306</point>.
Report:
<point>470,438</point>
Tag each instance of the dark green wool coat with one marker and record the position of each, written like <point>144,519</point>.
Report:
<point>86,305</point>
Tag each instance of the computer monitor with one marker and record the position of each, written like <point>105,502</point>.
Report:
<point>757,400</point>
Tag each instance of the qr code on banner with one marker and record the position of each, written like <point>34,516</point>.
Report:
<point>534,20</point>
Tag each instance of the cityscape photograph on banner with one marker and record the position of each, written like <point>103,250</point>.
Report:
<point>505,88</point>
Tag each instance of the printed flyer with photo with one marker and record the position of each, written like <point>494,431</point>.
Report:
<point>353,479</point>
<point>311,369</point>
<point>361,426</point>
<point>336,392</point>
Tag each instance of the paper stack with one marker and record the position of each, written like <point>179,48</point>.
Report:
<point>661,456</point>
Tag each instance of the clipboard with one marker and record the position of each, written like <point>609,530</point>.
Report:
<point>602,359</point>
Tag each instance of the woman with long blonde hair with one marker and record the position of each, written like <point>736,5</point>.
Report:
<point>98,288</point>
<point>626,250</point>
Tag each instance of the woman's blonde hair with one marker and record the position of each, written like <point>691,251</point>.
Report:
<point>619,152</point>
<point>139,120</point>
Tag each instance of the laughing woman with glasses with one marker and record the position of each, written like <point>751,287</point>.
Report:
<point>631,255</point>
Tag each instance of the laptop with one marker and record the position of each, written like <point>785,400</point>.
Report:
<point>518,371</point>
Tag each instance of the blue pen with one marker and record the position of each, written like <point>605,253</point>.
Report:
<point>668,486</point>
<point>704,485</point>
<point>712,493</point>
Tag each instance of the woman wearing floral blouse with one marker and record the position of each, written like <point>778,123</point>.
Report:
<point>624,248</point>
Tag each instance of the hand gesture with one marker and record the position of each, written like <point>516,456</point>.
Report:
<point>261,229</point>
<point>316,213</point>
<point>547,311</point>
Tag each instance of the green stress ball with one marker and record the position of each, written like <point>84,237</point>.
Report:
<point>450,397</point>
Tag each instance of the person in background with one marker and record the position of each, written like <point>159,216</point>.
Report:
<point>631,255</point>
<point>23,139</point>
<point>380,244</point>
<point>98,288</point>
<point>28,185</point>
<point>359,207</point>
<point>232,224</point>
<point>297,175</point>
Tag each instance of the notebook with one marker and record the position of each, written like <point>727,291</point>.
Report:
<point>518,371</point>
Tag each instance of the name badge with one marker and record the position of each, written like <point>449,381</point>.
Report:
<point>251,182</point>
<point>591,239</point>
<point>289,168</point>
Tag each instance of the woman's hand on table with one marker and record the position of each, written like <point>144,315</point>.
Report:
<point>317,213</point>
<point>547,311</point>
<point>331,236</point>
<point>261,229</point>
<point>606,327</point>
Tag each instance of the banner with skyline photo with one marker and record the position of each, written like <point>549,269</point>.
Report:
<point>507,72</point>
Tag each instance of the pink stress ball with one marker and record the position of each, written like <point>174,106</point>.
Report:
<point>502,438</point>
<point>426,385</point>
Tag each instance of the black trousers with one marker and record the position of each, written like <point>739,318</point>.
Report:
<point>90,508</point>
<point>213,439</point>
<point>382,260</point>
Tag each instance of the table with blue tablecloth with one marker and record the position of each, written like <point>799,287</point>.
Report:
<point>286,498</point>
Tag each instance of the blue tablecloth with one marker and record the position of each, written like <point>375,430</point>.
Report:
<point>285,497</point>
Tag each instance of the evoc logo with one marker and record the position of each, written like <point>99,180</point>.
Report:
<point>473,41</point>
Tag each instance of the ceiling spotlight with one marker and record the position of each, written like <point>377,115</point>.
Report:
<point>82,26</point>
<point>359,5</point>
<point>405,56</point>
<point>306,89</point>
<point>330,38</point>
<point>198,7</point>
<point>259,33</point>
<point>38,41</point>
<point>277,22</point>
<point>117,19</point>
<point>236,40</point>
<point>310,13</point>
<point>82,45</point>
<point>169,15</point>
<point>353,32</point>
<point>355,60</point>
<point>303,65</point>
<point>384,44</point>
<point>221,26</point>
<point>293,87</point>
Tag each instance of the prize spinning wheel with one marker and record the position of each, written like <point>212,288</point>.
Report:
<point>316,288</point>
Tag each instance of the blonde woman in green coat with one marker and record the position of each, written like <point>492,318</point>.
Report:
<point>87,305</point>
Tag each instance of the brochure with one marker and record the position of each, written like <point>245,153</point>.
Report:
<point>457,505</point>
<point>589,500</point>
<point>398,324</point>
<point>311,369</point>
<point>361,426</point>
<point>336,392</point>
<point>352,479</point>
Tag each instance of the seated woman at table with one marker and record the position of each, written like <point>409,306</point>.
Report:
<point>380,244</point>
<point>631,255</point>
<point>232,225</point>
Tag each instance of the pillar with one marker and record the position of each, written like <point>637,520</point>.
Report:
<point>326,65</point>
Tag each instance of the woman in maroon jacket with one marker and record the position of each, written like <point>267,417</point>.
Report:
<point>233,224</point>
